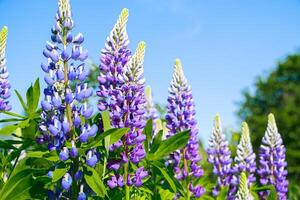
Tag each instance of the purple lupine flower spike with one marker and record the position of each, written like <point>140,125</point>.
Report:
<point>121,92</point>
<point>114,58</point>
<point>65,108</point>
<point>219,156</point>
<point>244,162</point>
<point>180,117</point>
<point>4,83</point>
<point>272,164</point>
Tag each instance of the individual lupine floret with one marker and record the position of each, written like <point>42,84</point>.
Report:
<point>4,83</point>
<point>219,156</point>
<point>180,117</point>
<point>244,161</point>
<point>65,110</point>
<point>243,192</point>
<point>272,164</point>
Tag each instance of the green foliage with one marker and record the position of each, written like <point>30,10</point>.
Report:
<point>278,93</point>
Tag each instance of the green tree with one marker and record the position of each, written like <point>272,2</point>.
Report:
<point>277,92</point>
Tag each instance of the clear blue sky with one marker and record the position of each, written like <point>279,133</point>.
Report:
<point>223,45</point>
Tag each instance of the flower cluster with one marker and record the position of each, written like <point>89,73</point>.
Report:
<point>243,192</point>
<point>244,161</point>
<point>219,156</point>
<point>121,92</point>
<point>180,117</point>
<point>272,164</point>
<point>4,83</point>
<point>65,109</point>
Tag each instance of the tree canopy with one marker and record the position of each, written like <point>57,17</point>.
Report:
<point>277,92</point>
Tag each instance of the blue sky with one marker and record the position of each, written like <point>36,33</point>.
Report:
<point>223,45</point>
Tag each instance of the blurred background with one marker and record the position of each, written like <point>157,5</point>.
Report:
<point>241,57</point>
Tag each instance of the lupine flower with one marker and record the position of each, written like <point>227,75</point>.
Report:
<point>114,58</point>
<point>219,155</point>
<point>272,164</point>
<point>244,161</point>
<point>66,181</point>
<point>180,117</point>
<point>4,83</point>
<point>243,192</point>
<point>65,109</point>
<point>81,195</point>
<point>121,91</point>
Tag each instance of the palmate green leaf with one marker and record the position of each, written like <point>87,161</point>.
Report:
<point>33,97</point>
<point>12,114</point>
<point>94,181</point>
<point>255,189</point>
<point>170,145</point>
<point>148,131</point>
<point>115,134</point>
<point>21,100</point>
<point>8,129</point>
<point>18,186</point>
<point>168,178</point>
<point>59,172</point>
<point>30,130</point>
<point>156,141</point>
<point>106,126</point>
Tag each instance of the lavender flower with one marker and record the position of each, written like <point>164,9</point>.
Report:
<point>272,164</point>
<point>65,110</point>
<point>219,155</point>
<point>243,192</point>
<point>244,161</point>
<point>4,83</point>
<point>180,117</point>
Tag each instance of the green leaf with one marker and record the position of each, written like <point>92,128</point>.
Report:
<point>168,178</point>
<point>156,141</point>
<point>8,129</point>
<point>18,185</point>
<point>33,97</point>
<point>106,126</point>
<point>30,130</point>
<point>94,180</point>
<point>30,100</point>
<point>223,193</point>
<point>106,120</point>
<point>12,114</point>
<point>115,134</point>
<point>6,145</point>
<point>36,94</point>
<point>59,172</point>
<point>148,131</point>
<point>170,145</point>
<point>114,137</point>
<point>21,100</point>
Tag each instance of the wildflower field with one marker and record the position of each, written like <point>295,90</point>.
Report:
<point>62,146</point>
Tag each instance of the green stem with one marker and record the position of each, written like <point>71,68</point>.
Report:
<point>188,194</point>
<point>68,113</point>
<point>127,188</point>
